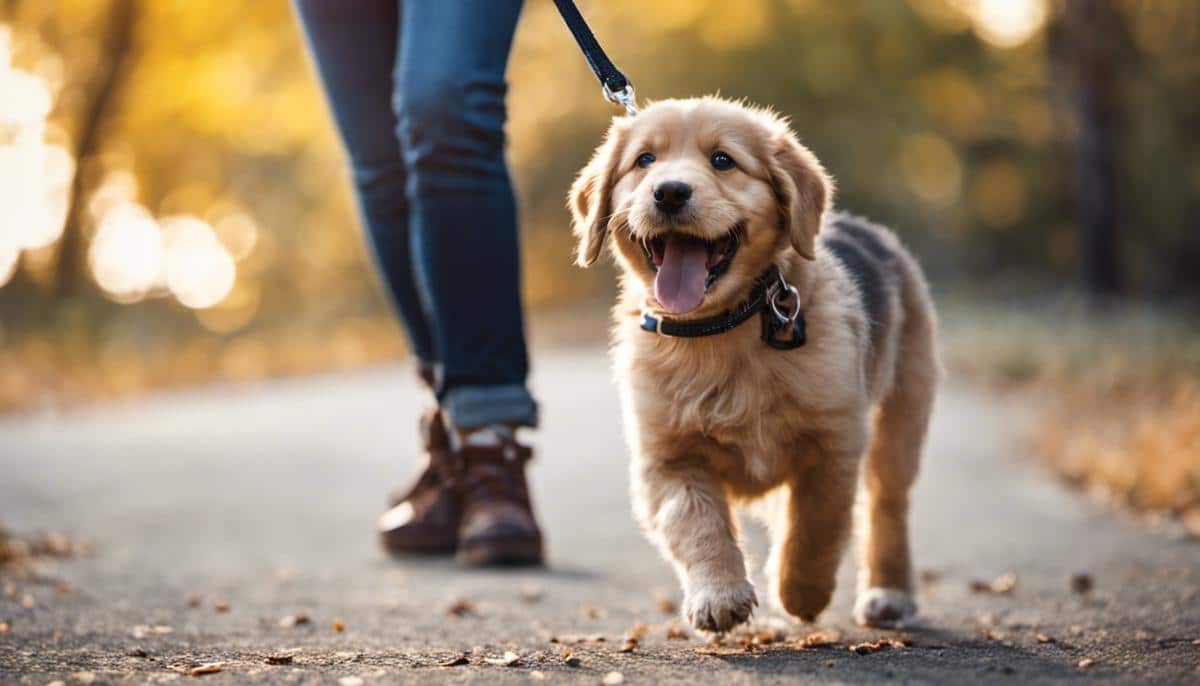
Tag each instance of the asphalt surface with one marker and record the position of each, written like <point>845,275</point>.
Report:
<point>263,498</point>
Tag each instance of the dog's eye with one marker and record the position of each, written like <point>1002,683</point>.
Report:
<point>721,161</point>
<point>645,160</point>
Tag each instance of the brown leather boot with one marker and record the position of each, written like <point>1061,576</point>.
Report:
<point>498,527</point>
<point>426,518</point>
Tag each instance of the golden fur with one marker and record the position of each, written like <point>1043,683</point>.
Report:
<point>726,420</point>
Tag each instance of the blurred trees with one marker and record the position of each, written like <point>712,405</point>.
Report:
<point>199,130</point>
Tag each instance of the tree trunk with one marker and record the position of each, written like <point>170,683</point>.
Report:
<point>1090,49</point>
<point>110,78</point>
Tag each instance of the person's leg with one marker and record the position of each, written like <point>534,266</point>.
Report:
<point>354,47</point>
<point>449,101</point>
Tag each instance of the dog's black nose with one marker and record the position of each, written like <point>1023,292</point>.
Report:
<point>671,196</point>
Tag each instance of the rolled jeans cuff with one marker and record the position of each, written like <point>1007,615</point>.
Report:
<point>473,407</point>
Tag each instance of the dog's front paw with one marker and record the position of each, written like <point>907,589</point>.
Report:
<point>884,607</point>
<point>719,607</point>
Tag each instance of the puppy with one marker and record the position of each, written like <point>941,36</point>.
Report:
<point>715,210</point>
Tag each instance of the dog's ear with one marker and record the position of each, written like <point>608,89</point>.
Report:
<point>591,196</point>
<point>803,190</point>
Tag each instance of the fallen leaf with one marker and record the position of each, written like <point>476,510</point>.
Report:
<point>628,646</point>
<point>338,625</point>
<point>456,661</point>
<point>280,659</point>
<point>510,659</point>
<point>820,639</point>
<point>613,679</point>
<point>571,639</point>
<point>767,636</point>
<point>1043,638</point>
<point>1001,585</point>
<point>666,605</point>
<point>221,606</point>
<point>461,608</point>
<point>210,668</point>
<point>143,630</point>
<point>868,647</point>
<point>991,635</point>
<point>1085,663</point>
<point>531,593</point>
<point>294,619</point>
<point>1081,582</point>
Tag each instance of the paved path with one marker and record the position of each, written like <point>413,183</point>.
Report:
<point>264,497</point>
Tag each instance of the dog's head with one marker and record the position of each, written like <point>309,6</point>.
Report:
<point>699,196</point>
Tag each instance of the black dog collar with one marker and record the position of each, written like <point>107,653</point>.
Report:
<point>769,294</point>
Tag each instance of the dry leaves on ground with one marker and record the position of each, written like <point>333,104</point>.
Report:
<point>455,661</point>
<point>1082,582</point>
<point>869,647</point>
<point>199,670</point>
<point>461,607</point>
<point>294,619</point>
<point>510,659</point>
<point>634,636</point>
<point>144,630</point>
<point>1001,585</point>
<point>338,625</point>
<point>820,639</point>
<point>572,639</point>
<point>666,605</point>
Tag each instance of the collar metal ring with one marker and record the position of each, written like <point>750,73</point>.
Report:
<point>789,291</point>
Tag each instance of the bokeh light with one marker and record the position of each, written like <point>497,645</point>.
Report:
<point>1008,23</point>
<point>200,272</point>
<point>126,255</point>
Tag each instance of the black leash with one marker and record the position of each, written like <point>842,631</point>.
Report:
<point>617,89</point>
<point>770,291</point>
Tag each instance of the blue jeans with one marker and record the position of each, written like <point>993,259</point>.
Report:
<point>417,90</point>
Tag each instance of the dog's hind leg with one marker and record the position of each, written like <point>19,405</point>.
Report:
<point>885,584</point>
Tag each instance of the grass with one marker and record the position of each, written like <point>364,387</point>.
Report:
<point>1123,387</point>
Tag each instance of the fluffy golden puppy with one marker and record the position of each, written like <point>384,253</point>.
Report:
<point>764,347</point>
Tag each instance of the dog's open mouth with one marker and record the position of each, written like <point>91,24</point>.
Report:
<point>686,266</point>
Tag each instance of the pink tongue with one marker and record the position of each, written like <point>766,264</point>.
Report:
<point>679,285</point>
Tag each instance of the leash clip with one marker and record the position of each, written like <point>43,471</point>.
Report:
<point>776,322</point>
<point>624,97</point>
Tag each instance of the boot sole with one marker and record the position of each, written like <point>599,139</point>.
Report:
<point>416,550</point>
<point>510,552</point>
